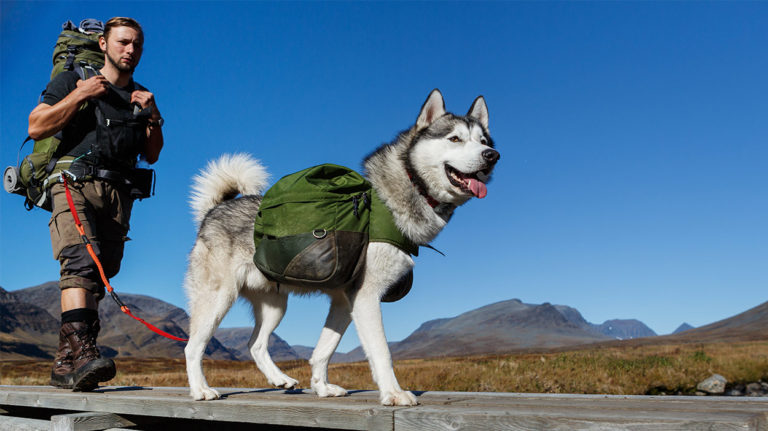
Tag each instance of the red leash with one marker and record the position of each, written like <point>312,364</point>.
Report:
<point>124,308</point>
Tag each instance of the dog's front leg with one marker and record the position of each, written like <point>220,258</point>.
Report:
<point>335,325</point>
<point>385,264</point>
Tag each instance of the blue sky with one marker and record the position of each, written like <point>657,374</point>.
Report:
<point>633,135</point>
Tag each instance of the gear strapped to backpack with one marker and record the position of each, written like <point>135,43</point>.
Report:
<point>314,226</point>
<point>77,49</point>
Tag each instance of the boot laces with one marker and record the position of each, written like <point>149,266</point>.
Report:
<point>88,342</point>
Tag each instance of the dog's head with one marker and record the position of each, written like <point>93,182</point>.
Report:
<point>452,157</point>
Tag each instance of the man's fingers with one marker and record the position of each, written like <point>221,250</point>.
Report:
<point>144,98</point>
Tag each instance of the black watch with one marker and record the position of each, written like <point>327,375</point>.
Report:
<point>159,122</point>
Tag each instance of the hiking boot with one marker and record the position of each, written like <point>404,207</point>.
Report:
<point>89,367</point>
<point>62,375</point>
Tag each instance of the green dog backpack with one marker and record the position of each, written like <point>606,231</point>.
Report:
<point>314,226</point>
<point>77,48</point>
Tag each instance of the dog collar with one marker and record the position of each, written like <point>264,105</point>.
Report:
<point>430,200</point>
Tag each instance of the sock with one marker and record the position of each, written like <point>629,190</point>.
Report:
<point>79,315</point>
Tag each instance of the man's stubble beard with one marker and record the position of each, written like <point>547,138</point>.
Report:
<point>119,66</point>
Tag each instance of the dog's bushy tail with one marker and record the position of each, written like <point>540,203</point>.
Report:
<point>225,178</point>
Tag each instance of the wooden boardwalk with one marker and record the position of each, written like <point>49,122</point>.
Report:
<point>130,407</point>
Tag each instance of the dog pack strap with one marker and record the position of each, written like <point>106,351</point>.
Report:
<point>383,228</point>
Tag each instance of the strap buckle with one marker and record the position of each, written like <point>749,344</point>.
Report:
<point>68,173</point>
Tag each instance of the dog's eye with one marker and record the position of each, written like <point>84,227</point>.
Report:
<point>483,141</point>
<point>454,139</point>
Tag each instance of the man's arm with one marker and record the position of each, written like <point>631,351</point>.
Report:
<point>46,120</point>
<point>154,142</point>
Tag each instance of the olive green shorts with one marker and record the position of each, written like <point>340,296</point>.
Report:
<point>105,212</point>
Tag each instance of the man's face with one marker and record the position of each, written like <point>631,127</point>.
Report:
<point>123,48</point>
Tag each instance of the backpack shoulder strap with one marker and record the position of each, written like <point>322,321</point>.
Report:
<point>85,71</point>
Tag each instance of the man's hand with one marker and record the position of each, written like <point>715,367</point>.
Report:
<point>154,142</point>
<point>95,86</point>
<point>145,99</point>
<point>46,120</point>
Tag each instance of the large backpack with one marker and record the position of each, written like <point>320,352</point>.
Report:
<point>314,226</point>
<point>77,48</point>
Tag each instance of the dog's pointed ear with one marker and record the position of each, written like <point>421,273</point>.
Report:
<point>479,111</point>
<point>432,109</point>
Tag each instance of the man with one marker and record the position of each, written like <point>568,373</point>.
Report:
<point>107,121</point>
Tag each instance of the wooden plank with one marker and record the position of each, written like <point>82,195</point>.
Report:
<point>88,421</point>
<point>23,424</point>
<point>520,419</point>
<point>607,402</point>
<point>565,411</point>
<point>438,410</point>
<point>254,406</point>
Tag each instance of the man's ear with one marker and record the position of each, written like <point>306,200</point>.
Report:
<point>103,44</point>
<point>432,109</point>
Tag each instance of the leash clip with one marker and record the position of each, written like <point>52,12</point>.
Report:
<point>68,173</point>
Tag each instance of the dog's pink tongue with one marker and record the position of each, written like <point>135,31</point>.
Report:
<point>477,188</point>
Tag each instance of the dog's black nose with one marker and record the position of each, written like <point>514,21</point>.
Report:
<point>491,156</point>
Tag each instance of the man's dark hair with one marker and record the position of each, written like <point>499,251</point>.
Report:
<point>120,21</point>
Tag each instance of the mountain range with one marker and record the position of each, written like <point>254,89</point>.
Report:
<point>29,326</point>
<point>503,327</point>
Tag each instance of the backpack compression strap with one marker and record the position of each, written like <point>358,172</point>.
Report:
<point>124,308</point>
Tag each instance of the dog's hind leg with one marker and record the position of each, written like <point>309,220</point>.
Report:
<point>208,305</point>
<point>268,310</point>
<point>335,325</point>
<point>384,266</point>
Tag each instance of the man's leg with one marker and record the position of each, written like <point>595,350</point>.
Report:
<point>62,374</point>
<point>75,298</point>
<point>78,363</point>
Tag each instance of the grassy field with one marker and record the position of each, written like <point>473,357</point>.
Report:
<point>610,370</point>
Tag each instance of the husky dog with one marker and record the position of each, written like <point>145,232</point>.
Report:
<point>422,176</point>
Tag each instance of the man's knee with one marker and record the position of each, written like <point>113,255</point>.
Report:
<point>75,282</point>
<point>74,298</point>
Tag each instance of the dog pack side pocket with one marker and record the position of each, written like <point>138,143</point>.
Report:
<point>330,260</point>
<point>273,255</point>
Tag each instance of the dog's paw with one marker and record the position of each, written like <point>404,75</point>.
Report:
<point>284,382</point>
<point>328,390</point>
<point>200,394</point>
<point>398,398</point>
